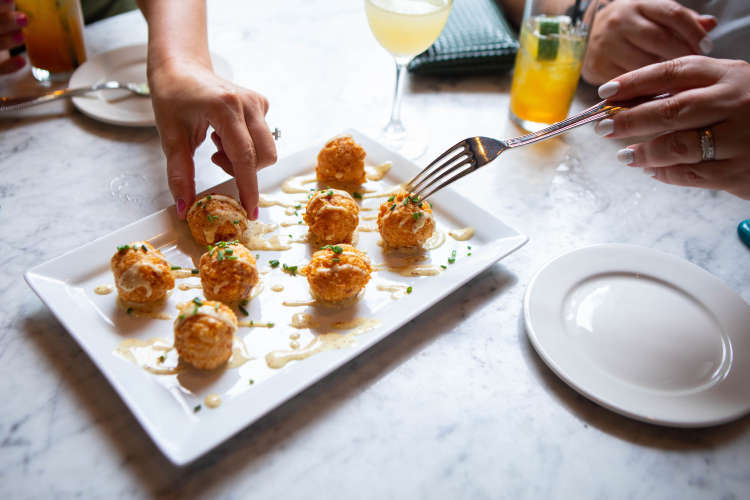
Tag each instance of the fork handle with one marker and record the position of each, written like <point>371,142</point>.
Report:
<point>592,114</point>
<point>16,103</point>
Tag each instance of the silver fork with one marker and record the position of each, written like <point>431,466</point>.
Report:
<point>475,152</point>
<point>15,103</point>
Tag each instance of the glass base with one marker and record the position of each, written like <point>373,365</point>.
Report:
<point>44,76</point>
<point>527,125</point>
<point>410,143</point>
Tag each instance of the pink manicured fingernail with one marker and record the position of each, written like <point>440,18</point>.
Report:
<point>706,45</point>
<point>21,19</point>
<point>609,89</point>
<point>626,156</point>
<point>181,207</point>
<point>604,127</point>
<point>18,37</point>
<point>255,214</point>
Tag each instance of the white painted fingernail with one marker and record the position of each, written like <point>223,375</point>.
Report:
<point>604,127</point>
<point>608,89</point>
<point>649,171</point>
<point>626,156</point>
<point>706,45</point>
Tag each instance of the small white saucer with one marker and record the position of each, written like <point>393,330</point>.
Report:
<point>119,107</point>
<point>643,333</point>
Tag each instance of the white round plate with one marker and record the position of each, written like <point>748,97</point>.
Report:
<point>119,107</point>
<point>643,333</point>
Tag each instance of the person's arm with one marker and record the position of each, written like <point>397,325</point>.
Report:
<point>706,93</point>
<point>188,97</point>
<point>11,22</point>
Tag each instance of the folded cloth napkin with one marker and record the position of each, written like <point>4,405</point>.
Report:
<point>476,39</point>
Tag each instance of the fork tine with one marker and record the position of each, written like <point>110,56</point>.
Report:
<point>439,168</point>
<point>468,161</point>
<point>428,167</point>
<point>466,171</point>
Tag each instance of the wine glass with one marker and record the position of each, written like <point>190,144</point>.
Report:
<point>405,28</point>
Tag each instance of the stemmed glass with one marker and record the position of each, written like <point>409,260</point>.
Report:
<point>405,28</point>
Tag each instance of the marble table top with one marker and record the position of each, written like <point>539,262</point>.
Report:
<point>455,405</point>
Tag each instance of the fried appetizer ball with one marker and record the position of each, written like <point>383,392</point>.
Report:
<point>216,217</point>
<point>337,272</point>
<point>204,333</point>
<point>142,274</point>
<point>228,272</point>
<point>341,160</point>
<point>405,221</point>
<point>332,216</point>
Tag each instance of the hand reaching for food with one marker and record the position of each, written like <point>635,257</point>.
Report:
<point>630,34</point>
<point>701,132</point>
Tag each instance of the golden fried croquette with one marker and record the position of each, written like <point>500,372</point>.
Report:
<point>216,217</point>
<point>228,272</point>
<point>142,274</point>
<point>337,272</point>
<point>204,333</point>
<point>405,221</point>
<point>332,216</point>
<point>341,161</point>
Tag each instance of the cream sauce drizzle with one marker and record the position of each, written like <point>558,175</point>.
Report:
<point>189,286</point>
<point>103,289</point>
<point>417,270</point>
<point>277,287</point>
<point>435,241</point>
<point>377,172</point>
<point>369,217</point>
<point>149,314</point>
<point>257,289</point>
<point>212,401</point>
<point>356,325</point>
<point>294,336</point>
<point>397,290</point>
<point>384,194</point>
<point>147,354</point>
<point>462,234</point>
<point>270,201</point>
<point>323,342</point>
<point>184,273</point>
<point>255,242</point>
<point>293,223</point>
<point>294,344</point>
<point>296,183</point>
<point>132,278</point>
<point>207,310</point>
<point>240,355</point>
<point>303,320</point>
<point>254,324</point>
<point>367,229</point>
<point>299,303</point>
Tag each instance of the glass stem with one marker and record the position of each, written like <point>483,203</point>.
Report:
<point>395,125</point>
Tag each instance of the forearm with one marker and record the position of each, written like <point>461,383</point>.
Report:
<point>176,32</point>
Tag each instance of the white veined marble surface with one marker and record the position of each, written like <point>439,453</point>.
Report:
<point>456,404</point>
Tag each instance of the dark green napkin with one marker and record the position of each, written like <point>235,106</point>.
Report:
<point>476,39</point>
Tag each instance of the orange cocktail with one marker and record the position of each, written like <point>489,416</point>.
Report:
<point>546,74</point>
<point>54,37</point>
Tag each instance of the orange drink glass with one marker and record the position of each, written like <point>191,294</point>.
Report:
<point>53,37</point>
<point>548,66</point>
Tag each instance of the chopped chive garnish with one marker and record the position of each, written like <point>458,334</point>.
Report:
<point>290,235</point>
<point>392,198</point>
<point>444,267</point>
<point>415,199</point>
<point>197,301</point>
<point>290,269</point>
<point>233,257</point>
<point>200,203</point>
<point>244,302</point>
<point>469,254</point>
<point>208,197</point>
<point>129,311</point>
<point>406,201</point>
<point>194,271</point>
<point>337,249</point>
<point>417,215</point>
<point>270,325</point>
<point>143,247</point>
<point>274,263</point>
<point>197,409</point>
<point>162,359</point>
<point>251,381</point>
<point>122,248</point>
<point>452,258</point>
<point>175,268</point>
<point>181,316</point>
<point>393,207</point>
<point>244,311</point>
<point>228,251</point>
<point>329,193</point>
<point>195,310</point>
<point>336,259</point>
<point>357,195</point>
<point>409,289</point>
<point>235,221</point>
<point>297,207</point>
<point>252,322</point>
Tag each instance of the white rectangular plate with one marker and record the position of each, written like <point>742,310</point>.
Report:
<point>164,404</point>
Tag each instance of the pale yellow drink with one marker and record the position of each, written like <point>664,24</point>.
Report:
<point>406,28</point>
